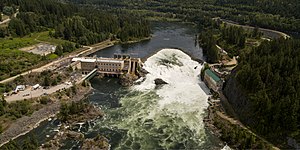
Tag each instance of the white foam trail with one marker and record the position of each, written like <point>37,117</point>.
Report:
<point>183,80</point>
<point>182,96</point>
<point>167,117</point>
<point>226,147</point>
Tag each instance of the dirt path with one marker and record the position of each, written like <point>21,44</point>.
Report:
<point>265,31</point>
<point>8,19</point>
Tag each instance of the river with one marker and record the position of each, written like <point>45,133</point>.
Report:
<point>146,116</point>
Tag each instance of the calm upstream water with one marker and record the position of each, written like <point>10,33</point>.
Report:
<point>165,35</point>
<point>146,116</point>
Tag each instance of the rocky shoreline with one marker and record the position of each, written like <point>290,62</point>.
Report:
<point>209,119</point>
<point>231,130</point>
<point>27,123</point>
<point>67,132</point>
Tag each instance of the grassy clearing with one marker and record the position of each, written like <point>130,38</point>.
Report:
<point>44,37</point>
<point>4,17</point>
<point>29,40</point>
<point>52,56</point>
<point>16,43</point>
<point>4,25</point>
<point>14,61</point>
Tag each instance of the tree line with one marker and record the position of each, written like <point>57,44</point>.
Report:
<point>77,24</point>
<point>275,14</point>
<point>270,77</point>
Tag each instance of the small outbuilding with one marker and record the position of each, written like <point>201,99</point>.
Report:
<point>20,88</point>
<point>35,86</point>
<point>212,80</point>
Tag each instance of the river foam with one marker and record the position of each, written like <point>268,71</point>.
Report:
<point>169,116</point>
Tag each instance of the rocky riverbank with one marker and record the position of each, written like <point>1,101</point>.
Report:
<point>27,123</point>
<point>70,129</point>
<point>232,131</point>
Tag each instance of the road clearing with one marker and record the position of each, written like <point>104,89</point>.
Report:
<point>86,50</point>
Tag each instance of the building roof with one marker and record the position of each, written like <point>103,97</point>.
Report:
<point>88,60</point>
<point>109,60</point>
<point>103,60</point>
<point>36,86</point>
<point>212,75</point>
<point>84,59</point>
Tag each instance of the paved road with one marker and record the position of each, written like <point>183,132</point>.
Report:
<point>40,69</point>
<point>29,93</point>
<point>55,64</point>
<point>221,49</point>
<point>268,32</point>
<point>5,21</point>
<point>8,19</point>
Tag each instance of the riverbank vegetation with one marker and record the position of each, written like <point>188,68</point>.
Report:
<point>30,143</point>
<point>239,137</point>
<point>208,43</point>
<point>78,111</point>
<point>28,113</point>
<point>12,111</point>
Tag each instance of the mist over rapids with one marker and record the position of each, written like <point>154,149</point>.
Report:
<point>167,116</point>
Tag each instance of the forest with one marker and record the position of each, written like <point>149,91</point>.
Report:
<point>269,77</point>
<point>76,24</point>
<point>276,14</point>
<point>230,38</point>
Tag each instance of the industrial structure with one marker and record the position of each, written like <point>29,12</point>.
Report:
<point>212,80</point>
<point>120,64</point>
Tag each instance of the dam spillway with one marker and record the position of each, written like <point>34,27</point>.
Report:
<point>108,66</point>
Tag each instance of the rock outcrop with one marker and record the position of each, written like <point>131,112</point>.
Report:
<point>98,143</point>
<point>237,97</point>
<point>159,81</point>
<point>128,79</point>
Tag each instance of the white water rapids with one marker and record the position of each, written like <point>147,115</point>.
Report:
<point>167,116</point>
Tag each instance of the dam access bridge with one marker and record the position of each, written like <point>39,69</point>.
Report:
<point>116,66</point>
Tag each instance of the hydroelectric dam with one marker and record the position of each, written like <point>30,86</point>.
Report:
<point>116,66</point>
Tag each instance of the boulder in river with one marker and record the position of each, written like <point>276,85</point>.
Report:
<point>159,81</point>
<point>98,143</point>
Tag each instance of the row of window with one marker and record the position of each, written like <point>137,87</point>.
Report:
<point>104,64</point>
<point>110,70</point>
